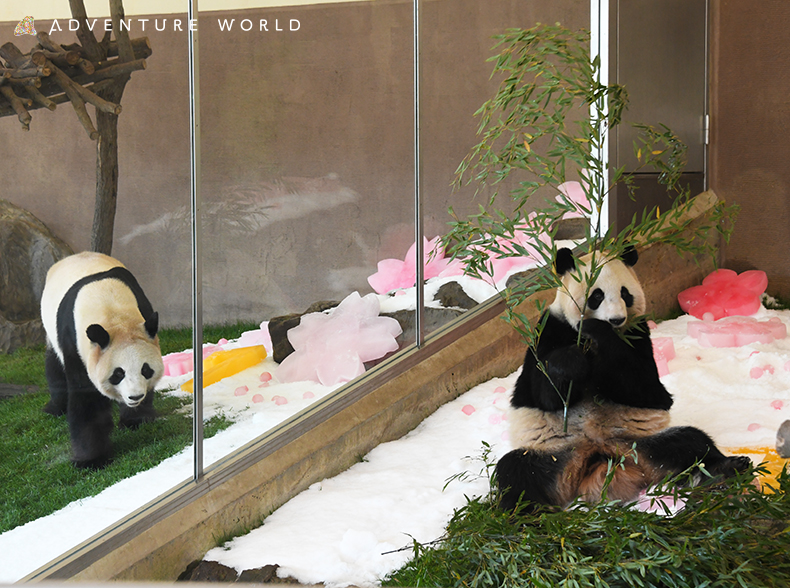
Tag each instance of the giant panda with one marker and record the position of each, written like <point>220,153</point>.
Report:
<point>102,347</point>
<point>616,402</point>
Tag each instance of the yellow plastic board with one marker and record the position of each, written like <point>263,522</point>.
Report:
<point>227,362</point>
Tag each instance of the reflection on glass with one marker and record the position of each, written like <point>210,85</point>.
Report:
<point>307,183</point>
<point>457,39</point>
<point>54,172</point>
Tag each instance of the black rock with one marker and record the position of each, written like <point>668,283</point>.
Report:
<point>280,325</point>
<point>27,251</point>
<point>783,440</point>
<point>208,571</point>
<point>260,575</point>
<point>452,295</point>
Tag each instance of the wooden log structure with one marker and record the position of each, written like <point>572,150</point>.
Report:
<point>51,74</point>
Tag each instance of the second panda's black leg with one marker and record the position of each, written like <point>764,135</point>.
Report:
<point>143,413</point>
<point>529,476</point>
<point>56,381</point>
<point>678,448</point>
<point>90,424</point>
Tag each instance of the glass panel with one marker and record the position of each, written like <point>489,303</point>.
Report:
<point>457,40</point>
<point>307,183</point>
<point>51,172</point>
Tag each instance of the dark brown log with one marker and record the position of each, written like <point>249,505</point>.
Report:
<point>34,82</point>
<point>90,45</point>
<point>39,98</point>
<point>14,56</point>
<point>125,49</point>
<point>140,45</point>
<point>59,98</point>
<point>18,105</point>
<point>112,71</point>
<point>69,85</point>
<point>60,58</point>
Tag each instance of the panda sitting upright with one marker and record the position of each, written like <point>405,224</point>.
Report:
<point>102,346</point>
<point>615,401</point>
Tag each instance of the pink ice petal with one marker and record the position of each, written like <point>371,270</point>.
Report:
<point>468,409</point>
<point>241,391</point>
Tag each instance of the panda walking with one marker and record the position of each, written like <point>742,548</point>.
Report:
<point>617,408</point>
<point>102,347</point>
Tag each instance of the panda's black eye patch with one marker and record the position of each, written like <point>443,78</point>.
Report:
<point>147,371</point>
<point>595,299</point>
<point>627,297</point>
<point>117,376</point>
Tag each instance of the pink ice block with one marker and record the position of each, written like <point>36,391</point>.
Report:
<point>663,351</point>
<point>178,364</point>
<point>736,331</point>
<point>725,293</point>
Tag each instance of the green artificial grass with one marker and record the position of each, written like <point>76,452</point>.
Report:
<point>728,535</point>
<point>35,468</point>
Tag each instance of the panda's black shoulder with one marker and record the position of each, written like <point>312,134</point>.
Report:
<point>67,333</point>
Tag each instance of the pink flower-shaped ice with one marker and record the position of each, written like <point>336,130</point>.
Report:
<point>725,293</point>
<point>393,274</point>
<point>331,348</point>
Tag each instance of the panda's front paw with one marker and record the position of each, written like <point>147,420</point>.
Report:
<point>597,330</point>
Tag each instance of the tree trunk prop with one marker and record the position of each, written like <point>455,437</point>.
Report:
<point>90,72</point>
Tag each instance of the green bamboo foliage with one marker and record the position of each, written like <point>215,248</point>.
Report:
<point>545,126</point>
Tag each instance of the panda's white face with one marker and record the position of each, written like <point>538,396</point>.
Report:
<point>614,297</point>
<point>127,371</point>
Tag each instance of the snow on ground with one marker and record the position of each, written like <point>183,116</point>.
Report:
<point>350,529</point>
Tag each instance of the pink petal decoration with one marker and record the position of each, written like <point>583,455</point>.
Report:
<point>394,274</point>
<point>241,391</point>
<point>257,398</point>
<point>265,377</point>
<point>777,404</point>
<point>574,192</point>
<point>725,293</point>
<point>307,395</point>
<point>468,409</point>
<point>736,331</point>
<point>280,400</point>
<point>753,427</point>
<point>756,373</point>
<point>331,348</point>
<point>499,390</point>
<point>663,351</point>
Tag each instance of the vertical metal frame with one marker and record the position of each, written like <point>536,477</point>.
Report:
<point>197,261</point>
<point>599,47</point>
<point>419,319</point>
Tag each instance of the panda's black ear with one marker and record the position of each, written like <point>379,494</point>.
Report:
<point>564,262</point>
<point>98,335</point>
<point>152,325</point>
<point>629,256</point>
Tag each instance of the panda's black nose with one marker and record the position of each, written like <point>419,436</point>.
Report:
<point>617,321</point>
<point>137,398</point>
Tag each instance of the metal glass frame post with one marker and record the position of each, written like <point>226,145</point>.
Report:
<point>419,318</point>
<point>196,208</point>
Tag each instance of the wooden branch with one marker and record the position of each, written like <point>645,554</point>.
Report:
<point>125,49</point>
<point>60,98</point>
<point>18,104</point>
<point>29,72</point>
<point>61,58</point>
<point>69,85</point>
<point>39,98</point>
<point>34,81</point>
<point>90,46</point>
<point>112,71</point>
<point>75,59</point>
